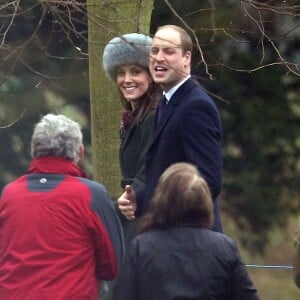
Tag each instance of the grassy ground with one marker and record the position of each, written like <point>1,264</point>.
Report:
<point>273,284</point>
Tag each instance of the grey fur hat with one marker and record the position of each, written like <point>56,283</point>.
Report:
<point>131,48</point>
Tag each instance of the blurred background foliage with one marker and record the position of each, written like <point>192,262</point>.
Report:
<point>44,69</point>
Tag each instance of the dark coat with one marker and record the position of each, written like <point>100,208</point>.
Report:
<point>135,146</point>
<point>190,132</point>
<point>184,263</point>
<point>132,163</point>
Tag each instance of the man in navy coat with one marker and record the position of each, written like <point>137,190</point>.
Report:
<point>188,127</point>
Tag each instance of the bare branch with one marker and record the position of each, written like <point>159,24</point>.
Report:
<point>12,123</point>
<point>259,23</point>
<point>269,39</point>
<point>288,65</point>
<point>195,37</point>
<point>15,5</point>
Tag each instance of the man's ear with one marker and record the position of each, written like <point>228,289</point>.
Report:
<point>81,152</point>
<point>188,58</point>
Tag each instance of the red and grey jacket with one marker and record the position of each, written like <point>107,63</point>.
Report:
<point>59,234</point>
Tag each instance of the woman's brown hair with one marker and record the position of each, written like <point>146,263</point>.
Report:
<point>147,103</point>
<point>182,196</point>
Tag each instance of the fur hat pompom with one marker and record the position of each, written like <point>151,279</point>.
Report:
<point>131,48</point>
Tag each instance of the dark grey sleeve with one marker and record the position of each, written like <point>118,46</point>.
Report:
<point>102,205</point>
<point>126,284</point>
<point>242,285</point>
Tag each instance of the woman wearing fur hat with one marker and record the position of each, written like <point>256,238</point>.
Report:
<point>125,61</point>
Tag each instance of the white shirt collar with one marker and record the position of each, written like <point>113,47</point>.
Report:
<point>172,91</point>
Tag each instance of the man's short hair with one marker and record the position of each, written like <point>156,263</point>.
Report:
<point>186,40</point>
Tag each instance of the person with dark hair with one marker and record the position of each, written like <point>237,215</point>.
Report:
<point>177,255</point>
<point>187,126</point>
<point>125,61</point>
<point>59,233</point>
<point>296,262</point>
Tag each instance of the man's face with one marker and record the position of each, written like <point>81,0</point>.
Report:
<point>168,64</point>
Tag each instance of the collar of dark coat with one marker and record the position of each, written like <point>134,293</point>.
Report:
<point>182,90</point>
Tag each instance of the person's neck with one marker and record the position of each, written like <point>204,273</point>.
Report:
<point>134,105</point>
<point>169,92</point>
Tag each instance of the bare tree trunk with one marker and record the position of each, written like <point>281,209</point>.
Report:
<point>106,19</point>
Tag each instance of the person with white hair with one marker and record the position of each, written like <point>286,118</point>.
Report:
<point>59,233</point>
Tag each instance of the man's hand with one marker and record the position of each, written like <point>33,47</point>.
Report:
<point>127,203</point>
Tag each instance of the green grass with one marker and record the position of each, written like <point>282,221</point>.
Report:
<point>272,284</point>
